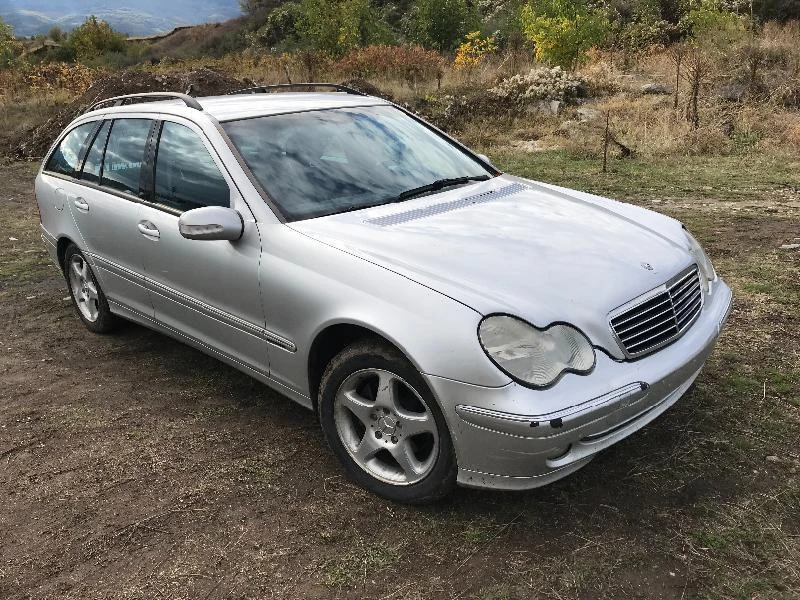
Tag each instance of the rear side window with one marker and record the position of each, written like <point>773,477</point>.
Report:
<point>94,158</point>
<point>65,157</point>
<point>186,176</point>
<point>125,151</point>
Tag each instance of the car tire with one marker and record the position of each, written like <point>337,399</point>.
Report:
<point>87,297</point>
<point>382,421</point>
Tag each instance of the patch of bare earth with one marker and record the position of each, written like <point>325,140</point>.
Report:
<point>132,466</point>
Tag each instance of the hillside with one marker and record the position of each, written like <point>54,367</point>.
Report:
<point>136,18</point>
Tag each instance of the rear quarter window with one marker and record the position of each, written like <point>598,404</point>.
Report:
<point>124,156</point>
<point>66,156</point>
<point>94,158</point>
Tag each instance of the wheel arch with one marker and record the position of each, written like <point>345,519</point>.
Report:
<point>61,249</point>
<point>331,340</point>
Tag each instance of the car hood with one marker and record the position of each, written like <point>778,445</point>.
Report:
<point>509,245</point>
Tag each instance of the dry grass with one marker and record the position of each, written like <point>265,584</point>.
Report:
<point>21,113</point>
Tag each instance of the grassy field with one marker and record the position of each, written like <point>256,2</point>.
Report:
<point>134,467</point>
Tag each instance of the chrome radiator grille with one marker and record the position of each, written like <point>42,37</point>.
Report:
<point>662,318</point>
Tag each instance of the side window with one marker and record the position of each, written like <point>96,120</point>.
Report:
<point>64,158</point>
<point>94,158</point>
<point>122,166</point>
<point>186,176</point>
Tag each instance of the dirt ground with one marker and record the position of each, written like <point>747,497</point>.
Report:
<point>132,466</point>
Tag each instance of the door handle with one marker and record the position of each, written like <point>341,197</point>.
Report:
<point>147,229</point>
<point>80,204</point>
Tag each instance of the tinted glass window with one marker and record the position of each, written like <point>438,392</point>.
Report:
<point>124,156</point>
<point>186,175</point>
<point>322,162</point>
<point>94,158</point>
<point>65,158</point>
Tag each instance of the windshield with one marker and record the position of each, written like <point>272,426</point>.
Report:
<point>323,162</point>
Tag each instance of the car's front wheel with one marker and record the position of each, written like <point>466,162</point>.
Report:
<point>384,424</point>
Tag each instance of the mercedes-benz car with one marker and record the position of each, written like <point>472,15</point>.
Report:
<point>446,322</point>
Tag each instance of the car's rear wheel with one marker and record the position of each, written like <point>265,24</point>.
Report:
<point>384,424</point>
<point>87,296</point>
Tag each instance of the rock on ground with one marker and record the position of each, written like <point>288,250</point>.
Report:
<point>657,89</point>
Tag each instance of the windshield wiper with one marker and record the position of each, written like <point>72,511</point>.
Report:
<point>418,191</point>
<point>437,185</point>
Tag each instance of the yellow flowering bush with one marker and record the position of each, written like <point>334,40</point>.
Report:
<point>473,50</point>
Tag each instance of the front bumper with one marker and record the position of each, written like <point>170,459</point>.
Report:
<point>504,439</point>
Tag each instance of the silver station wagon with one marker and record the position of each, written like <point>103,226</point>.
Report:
<point>448,323</point>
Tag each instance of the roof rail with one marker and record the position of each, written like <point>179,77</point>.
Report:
<point>264,89</point>
<point>120,100</point>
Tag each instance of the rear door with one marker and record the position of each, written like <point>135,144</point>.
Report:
<point>58,174</point>
<point>105,205</point>
<point>205,290</point>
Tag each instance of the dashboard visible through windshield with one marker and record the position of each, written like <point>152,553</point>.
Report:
<point>324,162</point>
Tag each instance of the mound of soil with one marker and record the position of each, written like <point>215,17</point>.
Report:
<point>199,82</point>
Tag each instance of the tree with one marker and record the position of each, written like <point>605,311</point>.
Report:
<point>442,24</point>
<point>95,37</point>
<point>258,8</point>
<point>712,22</point>
<point>563,30</point>
<point>10,47</point>
<point>698,68</point>
<point>279,27</point>
<point>56,34</point>
<point>336,26</point>
<point>779,10</point>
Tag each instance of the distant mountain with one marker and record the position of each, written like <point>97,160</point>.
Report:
<point>134,17</point>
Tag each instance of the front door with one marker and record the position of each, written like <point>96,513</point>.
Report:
<point>205,290</point>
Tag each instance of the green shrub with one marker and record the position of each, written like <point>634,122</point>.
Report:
<point>712,24</point>
<point>93,38</point>
<point>563,30</point>
<point>278,29</point>
<point>10,48</point>
<point>441,24</point>
<point>334,27</point>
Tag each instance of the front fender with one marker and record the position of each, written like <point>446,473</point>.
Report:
<point>307,286</point>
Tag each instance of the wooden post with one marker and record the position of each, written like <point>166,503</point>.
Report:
<point>605,141</point>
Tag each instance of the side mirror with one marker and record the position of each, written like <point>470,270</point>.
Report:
<point>486,159</point>
<point>211,223</point>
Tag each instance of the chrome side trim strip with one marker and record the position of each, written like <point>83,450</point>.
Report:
<point>221,315</point>
<point>47,236</point>
<point>116,269</point>
<point>189,301</point>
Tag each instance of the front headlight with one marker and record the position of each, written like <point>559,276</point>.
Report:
<point>701,258</point>
<point>535,357</point>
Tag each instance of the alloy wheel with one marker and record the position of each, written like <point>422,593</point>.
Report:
<point>386,426</point>
<point>83,287</point>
